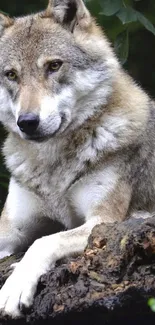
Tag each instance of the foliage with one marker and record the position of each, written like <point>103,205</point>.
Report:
<point>130,26</point>
<point>127,19</point>
<point>151,304</point>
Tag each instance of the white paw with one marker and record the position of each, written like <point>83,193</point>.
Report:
<point>19,289</point>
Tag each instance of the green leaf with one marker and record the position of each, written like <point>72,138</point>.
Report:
<point>145,22</point>
<point>127,15</point>
<point>151,304</point>
<point>121,45</point>
<point>110,7</point>
<point>2,12</point>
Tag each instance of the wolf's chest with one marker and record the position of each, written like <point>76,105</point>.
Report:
<point>49,176</point>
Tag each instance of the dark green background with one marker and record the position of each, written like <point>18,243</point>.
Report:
<point>138,52</point>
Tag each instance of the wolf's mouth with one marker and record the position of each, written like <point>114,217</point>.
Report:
<point>36,138</point>
<point>40,137</point>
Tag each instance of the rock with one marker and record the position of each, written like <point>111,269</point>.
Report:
<point>110,282</point>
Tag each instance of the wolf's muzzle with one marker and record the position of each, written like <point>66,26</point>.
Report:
<point>28,123</point>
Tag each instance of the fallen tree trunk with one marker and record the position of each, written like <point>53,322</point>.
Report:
<point>111,281</point>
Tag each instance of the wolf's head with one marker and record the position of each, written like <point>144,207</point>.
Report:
<point>56,68</point>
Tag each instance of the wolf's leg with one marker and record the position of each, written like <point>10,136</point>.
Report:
<point>20,287</point>
<point>19,221</point>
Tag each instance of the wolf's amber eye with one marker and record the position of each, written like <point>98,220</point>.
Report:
<point>11,75</point>
<point>54,66</point>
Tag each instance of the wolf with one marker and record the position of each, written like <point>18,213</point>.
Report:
<point>80,146</point>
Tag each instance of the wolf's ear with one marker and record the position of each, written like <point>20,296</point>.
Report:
<point>5,22</point>
<point>69,13</point>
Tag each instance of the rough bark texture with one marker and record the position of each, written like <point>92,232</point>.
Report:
<point>111,282</point>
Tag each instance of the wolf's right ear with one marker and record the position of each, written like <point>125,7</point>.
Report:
<point>69,13</point>
<point>5,22</point>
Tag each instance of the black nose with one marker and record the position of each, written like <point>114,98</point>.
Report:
<point>28,123</point>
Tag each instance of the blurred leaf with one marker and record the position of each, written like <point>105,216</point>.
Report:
<point>127,15</point>
<point>146,23</point>
<point>2,12</point>
<point>121,46</point>
<point>151,304</point>
<point>110,7</point>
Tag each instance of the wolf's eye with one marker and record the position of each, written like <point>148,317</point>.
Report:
<point>11,75</point>
<point>54,66</point>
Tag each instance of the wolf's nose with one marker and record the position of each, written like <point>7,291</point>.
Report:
<point>28,123</point>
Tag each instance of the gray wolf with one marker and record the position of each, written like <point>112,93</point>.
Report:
<point>80,145</point>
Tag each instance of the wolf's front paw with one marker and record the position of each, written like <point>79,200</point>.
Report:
<point>19,289</point>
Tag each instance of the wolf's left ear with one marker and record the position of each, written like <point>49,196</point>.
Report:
<point>69,13</point>
<point>5,22</point>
